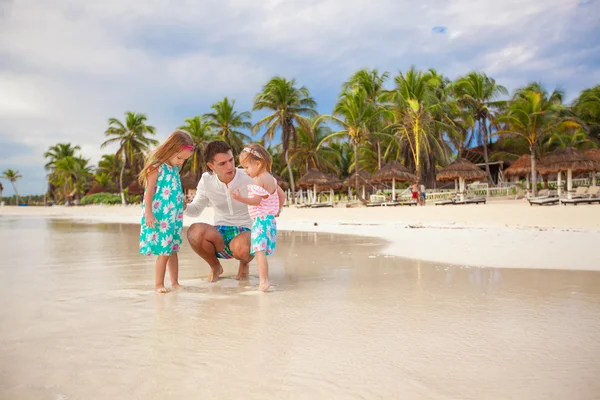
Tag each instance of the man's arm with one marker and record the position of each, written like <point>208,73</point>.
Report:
<point>199,203</point>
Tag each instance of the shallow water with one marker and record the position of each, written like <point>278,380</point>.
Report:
<point>79,320</point>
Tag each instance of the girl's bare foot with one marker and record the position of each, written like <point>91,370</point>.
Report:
<point>177,286</point>
<point>161,289</point>
<point>215,273</point>
<point>243,273</point>
<point>264,286</point>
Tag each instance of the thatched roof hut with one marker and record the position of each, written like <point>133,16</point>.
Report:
<point>189,181</point>
<point>283,184</point>
<point>134,188</point>
<point>393,171</point>
<point>96,188</point>
<point>319,181</point>
<point>461,169</point>
<point>314,177</point>
<point>593,154</point>
<point>568,159</point>
<point>521,167</point>
<point>364,178</point>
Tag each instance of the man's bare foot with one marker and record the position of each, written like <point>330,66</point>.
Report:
<point>161,289</point>
<point>243,272</point>
<point>177,286</point>
<point>264,286</point>
<point>215,273</point>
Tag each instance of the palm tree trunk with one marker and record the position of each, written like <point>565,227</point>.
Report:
<point>291,174</point>
<point>121,184</point>
<point>533,172</point>
<point>14,185</point>
<point>356,171</point>
<point>483,126</point>
<point>378,155</point>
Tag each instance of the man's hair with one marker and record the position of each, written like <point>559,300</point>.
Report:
<point>213,148</point>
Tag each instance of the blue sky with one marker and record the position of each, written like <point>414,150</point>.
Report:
<point>67,66</point>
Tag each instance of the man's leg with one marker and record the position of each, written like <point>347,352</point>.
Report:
<point>206,241</point>
<point>240,248</point>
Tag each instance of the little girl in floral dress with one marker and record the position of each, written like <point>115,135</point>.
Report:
<point>163,205</point>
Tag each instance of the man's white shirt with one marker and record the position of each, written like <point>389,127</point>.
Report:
<point>212,191</point>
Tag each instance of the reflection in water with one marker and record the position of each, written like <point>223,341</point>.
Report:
<point>343,321</point>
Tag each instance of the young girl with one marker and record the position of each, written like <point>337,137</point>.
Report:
<point>163,205</point>
<point>265,199</point>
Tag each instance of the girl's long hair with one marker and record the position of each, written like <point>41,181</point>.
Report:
<point>170,147</point>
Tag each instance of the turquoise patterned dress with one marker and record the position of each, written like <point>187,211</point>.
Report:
<point>167,206</point>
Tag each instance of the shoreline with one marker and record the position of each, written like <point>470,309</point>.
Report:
<point>501,234</point>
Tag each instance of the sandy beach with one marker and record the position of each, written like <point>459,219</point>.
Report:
<point>505,233</point>
<point>343,321</point>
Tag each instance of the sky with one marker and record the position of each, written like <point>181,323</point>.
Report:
<point>66,66</point>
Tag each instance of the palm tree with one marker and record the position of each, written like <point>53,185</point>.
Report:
<point>290,105</point>
<point>109,165</point>
<point>413,110</point>
<point>354,115</point>
<point>227,122</point>
<point>1,190</point>
<point>132,139</point>
<point>371,82</point>
<point>308,154</point>
<point>71,170</point>
<point>103,180</point>
<point>533,114</point>
<point>12,176</point>
<point>587,109</point>
<point>476,91</point>
<point>58,152</point>
<point>201,133</point>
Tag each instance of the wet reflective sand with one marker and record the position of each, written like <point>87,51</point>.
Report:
<point>79,320</point>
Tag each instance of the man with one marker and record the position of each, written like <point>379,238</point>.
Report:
<point>230,235</point>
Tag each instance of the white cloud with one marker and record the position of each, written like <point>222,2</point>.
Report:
<point>67,65</point>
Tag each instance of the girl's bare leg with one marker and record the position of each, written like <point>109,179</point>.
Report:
<point>263,270</point>
<point>159,274</point>
<point>173,266</point>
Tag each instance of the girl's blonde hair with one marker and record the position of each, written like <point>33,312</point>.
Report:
<point>258,153</point>
<point>176,142</point>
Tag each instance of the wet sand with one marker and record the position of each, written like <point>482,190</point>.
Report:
<point>80,321</point>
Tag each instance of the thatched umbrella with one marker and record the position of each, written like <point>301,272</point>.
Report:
<point>463,170</point>
<point>314,178</point>
<point>364,178</point>
<point>283,184</point>
<point>522,167</point>
<point>189,181</point>
<point>567,160</point>
<point>392,172</point>
<point>594,154</point>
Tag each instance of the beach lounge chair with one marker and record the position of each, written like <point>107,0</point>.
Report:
<point>543,200</point>
<point>478,200</point>
<point>321,205</point>
<point>444,202</point>
<point>582,191</point>
<point>592,196</point>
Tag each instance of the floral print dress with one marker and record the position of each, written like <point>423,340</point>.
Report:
<point>167,207</point>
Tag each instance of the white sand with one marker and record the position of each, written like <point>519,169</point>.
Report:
<point>500,234</point>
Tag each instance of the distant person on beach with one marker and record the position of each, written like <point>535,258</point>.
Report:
<point>229,236</point>
<point>264,204</point>
<point>423,194</point>
<point>163,205</point>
